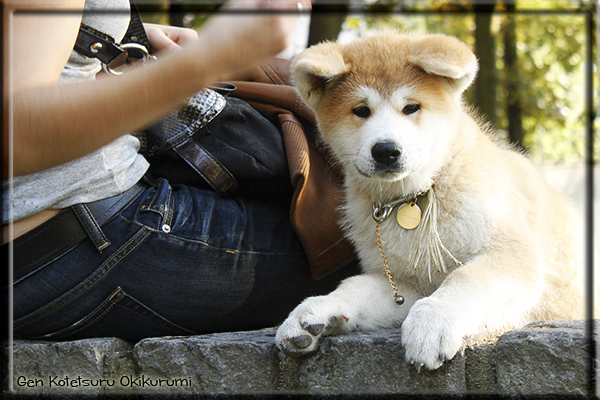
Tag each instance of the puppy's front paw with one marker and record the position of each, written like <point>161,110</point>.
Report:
<point>301,331</point>
<point>431,334</point>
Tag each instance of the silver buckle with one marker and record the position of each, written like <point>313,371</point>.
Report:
<point>129,51</point>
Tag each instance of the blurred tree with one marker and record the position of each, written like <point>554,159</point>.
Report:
<point>188,13</point>
<point>511,66</point>
<point>484,90</point>
<point>176,13</point>
<point>326,20</point>
<point>157,13</point>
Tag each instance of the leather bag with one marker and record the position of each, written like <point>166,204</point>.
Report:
<point>318,185</point>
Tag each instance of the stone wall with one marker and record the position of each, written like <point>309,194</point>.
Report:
<point>540,359</point>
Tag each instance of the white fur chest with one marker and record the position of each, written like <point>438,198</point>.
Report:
<point>400,245</point>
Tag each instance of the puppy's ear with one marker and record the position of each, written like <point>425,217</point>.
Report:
<point>444,56</point>
<point>314,69</point>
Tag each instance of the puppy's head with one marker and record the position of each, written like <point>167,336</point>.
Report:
<point>387,105</point>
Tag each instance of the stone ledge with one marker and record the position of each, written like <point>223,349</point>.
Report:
<point>542,358</point>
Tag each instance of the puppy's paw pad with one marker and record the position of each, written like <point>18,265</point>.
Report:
<point>306,325</point>
<point>302,341</point>
<point>313,329</point>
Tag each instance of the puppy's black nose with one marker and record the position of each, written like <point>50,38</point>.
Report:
<point>386,152</point>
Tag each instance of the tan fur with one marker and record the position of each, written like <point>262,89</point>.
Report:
<point>518,241</point>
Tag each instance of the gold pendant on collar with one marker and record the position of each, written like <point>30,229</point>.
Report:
<point>409,215</point>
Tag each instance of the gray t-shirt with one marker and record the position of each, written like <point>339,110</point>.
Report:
<point>105,172</point>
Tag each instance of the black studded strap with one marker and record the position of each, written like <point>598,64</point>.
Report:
<point>136,32</point>
<point>96,44</point>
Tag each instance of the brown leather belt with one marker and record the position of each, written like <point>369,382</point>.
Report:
<point>64,231</point>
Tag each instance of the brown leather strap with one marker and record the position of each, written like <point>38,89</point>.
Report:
<point>215,173</point>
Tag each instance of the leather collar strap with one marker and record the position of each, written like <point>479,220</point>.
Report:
<point>96,44</point>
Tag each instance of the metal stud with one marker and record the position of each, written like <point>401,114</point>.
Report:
<point>96,47</point>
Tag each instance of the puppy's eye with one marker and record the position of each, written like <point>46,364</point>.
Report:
<point>362,111</point>
<point>411,108</point>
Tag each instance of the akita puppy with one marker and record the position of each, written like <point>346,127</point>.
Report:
<point>458,236</point>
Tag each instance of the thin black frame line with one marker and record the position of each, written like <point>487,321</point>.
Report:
<point>590,162</point>
<point>348,10</point>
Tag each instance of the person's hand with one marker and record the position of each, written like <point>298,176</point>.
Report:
<point>247,32</point>
<point>165,39</point>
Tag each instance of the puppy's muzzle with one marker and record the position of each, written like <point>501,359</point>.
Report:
<point>386,155</point>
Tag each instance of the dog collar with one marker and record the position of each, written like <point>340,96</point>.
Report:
<point>429,246</point>
<point>382,212</point>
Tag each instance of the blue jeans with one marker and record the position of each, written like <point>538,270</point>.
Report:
<point>181,261</point>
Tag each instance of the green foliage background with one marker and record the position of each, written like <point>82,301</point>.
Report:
<point>551,39</point>
<point>551,50</point>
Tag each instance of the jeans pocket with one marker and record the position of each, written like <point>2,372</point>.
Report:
<point>156,209</point>
<point>119,315</point>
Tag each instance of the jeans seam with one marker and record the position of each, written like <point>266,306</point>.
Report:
<point>152,205</point>
<point>27,321</point>
<point>151,320</point>
<point>151,201</point>
<point>106,309</point>
<point>229,251</point>
<point>158,209</point>
<point>160,232</point>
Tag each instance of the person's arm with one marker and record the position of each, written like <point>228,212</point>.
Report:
<point>57,123</point>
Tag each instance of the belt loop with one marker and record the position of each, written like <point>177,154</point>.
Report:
<point>91,227</point>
